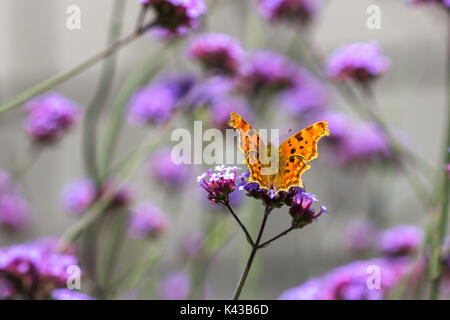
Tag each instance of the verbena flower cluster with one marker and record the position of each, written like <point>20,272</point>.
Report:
<point>350,282</point>
<point>218,53</point>
<point>297,12</point>
<point>147,221</point>
<point>358,62</point>
<point>35,269</point>
<point>156,103</point>
<point>49,116</point>
<point>78,195</point>
<point>15,211</point>
<point>176,17</point>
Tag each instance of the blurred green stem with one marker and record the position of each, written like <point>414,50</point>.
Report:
<point>104,86</point>
<point>138,77</point>
<point>443,219</point>
<point>26,160</point>
<point>59,79</point>
<point>255,248</point>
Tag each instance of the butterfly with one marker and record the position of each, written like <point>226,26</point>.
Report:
<point>285,171</point>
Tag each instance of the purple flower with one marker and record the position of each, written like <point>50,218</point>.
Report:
<point>176,17</point>
<point>307,96</point>
<point>123,194</point>
<point>218,53</point>
<point>447,167</point>
<point>15,213</point>
<point>359,235</point>
<point>151,105</point>
<point>310,290</point>
<point>359,62</point>
<point>222,106</point>
<point>351,282</point>
<point>34,269</point>
<point>6,184</point>
<point>49,116</point>
<point>193,245</point>
<point>147,221</point>
<point>299,12</point>
<point>7,289</point>
<point>355,142</point>
<point>67,294</point>
<point>169,174</point>
<point>354,281</point>
<point>219,183</point>
<point>175,286</point>
<point>446,3</point>
<point>266,69</point>
<point>156,102</point>
<point>300,209</point>
<point>78,195</point>
<point>214,88</point>
<point>401,240</point>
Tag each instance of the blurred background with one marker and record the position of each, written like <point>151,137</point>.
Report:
<point>37,45</point>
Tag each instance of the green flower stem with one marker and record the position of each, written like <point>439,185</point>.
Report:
<point>255,248</point>
<point>26,160</point>
<point>247,234</point>
<point>138,77</point>
<point>268,242</point>
<point>443,218</point>
<point>104,86</point>
<point>59,79</point>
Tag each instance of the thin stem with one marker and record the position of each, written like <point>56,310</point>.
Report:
<point>59,79</point>
<point>255,248</point>
<point>141,18</point>
<point>285,232</point>
<point>247,234</point>
<point>24,163</point>
<point>443,219</point>
<point>104,86</point>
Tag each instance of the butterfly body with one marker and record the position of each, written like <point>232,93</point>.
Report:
<point>282,168</point>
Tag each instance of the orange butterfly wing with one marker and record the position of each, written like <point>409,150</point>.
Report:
<point>254,150</point>
<point>304,142</point>
<point>296,152</point>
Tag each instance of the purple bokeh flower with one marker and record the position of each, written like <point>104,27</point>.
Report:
<point>175,286</point>
<point>445,3</point>
<point>193,245</point>
<point>299,12</point>
<point>176,17</point>
<point>219,183</point>
<point>15,212</point>
<point>49,116</point>
<point>307,96</point>
<point>267,69</point>
<point>353,281</point>
<point>7,289</point>
<point>168,173</point>
<point>34,269</point>
<point>156,102</point>
<point>310,290</point>
<point>218,53</point>
<point>78,195</point>
<point>67,294</point>
<point>359,235</point>
<point>399,241</point>
<point>359,62</point>
<point>354,142</point>
<point>221,107</point>
<point>147,221</point>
